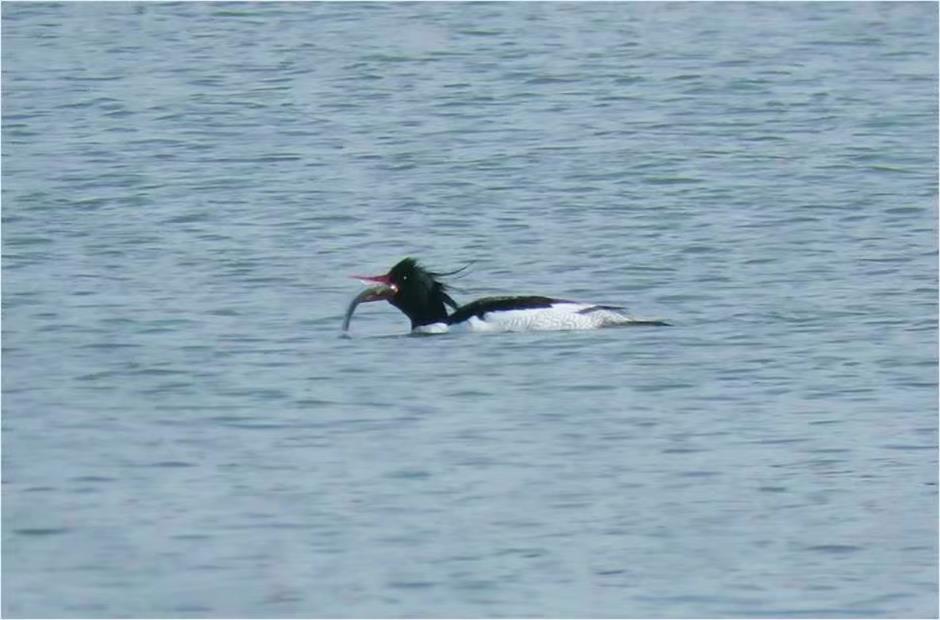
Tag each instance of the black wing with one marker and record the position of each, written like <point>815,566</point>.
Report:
<point>496,304</point>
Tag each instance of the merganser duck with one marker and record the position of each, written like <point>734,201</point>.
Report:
<point>424,299</point>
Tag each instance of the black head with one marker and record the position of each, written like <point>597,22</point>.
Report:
<point>417,292</point>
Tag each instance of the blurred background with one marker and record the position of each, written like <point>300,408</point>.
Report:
<point>186,187</point>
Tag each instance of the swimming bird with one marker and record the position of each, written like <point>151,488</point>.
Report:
<point>421,295</point>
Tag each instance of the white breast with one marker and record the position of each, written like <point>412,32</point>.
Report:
<point>433,328</point>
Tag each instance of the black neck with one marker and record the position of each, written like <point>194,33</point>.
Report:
<point>433,311</point>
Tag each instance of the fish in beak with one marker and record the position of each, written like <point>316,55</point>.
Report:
<point>382,289</point>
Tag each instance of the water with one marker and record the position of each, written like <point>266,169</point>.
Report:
<point>186,187</point>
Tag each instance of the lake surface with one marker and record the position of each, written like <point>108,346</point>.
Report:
<point>187,186</point>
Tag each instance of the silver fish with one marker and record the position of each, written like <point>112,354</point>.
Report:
<point>373,293</point>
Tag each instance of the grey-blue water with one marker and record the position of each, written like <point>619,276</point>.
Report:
<point>187,186</point>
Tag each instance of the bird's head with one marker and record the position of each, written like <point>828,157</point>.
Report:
<point>414,290</point>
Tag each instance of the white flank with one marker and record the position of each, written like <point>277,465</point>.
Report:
<point>562,316</point>
<point>558,316</point>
